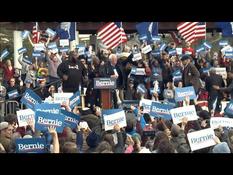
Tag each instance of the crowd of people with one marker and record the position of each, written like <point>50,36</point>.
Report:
<point>71,71</point>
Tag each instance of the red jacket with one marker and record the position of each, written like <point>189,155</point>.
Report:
<point>8,74</point>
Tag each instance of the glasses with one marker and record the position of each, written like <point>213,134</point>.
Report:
<point>12,81</point>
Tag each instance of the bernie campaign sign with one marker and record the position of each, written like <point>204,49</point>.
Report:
<point>146,105</point>
<point>71,119</point>
<point>43,120</point>
<point>229,108</point>
<point>30,145</point>
<point>201,139</point>
<point>25,116</point>
<point>112,117</point>
<point>30,99</point>
<point>48,108</point>
<point>62,98</point>
<point>215,122</point>
<point>13,94</point>
<point>161,110</point>
<point>187,111</point>
<point>75,99</point>
<point>104,83</point>
<point>181,93</point>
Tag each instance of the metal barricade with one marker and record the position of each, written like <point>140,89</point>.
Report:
<point>11,106</point>
<point>2,110</point>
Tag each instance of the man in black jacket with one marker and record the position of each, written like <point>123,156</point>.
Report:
<point>215,96</point>
<point>72,72</point>
<point>228,89</point>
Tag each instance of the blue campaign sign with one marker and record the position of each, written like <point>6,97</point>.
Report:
<point>52,45</point>
<point>199,49</point>
<point>64,49</point>
<point>228,54</point>
<point>75,99</point>
<point>4,53</point>
<point>37,54</point>
<point>27,61</point>
<point>229,108</point>
<point>43,120</point>
<point>71,119</point>
<point>30,98</point>
<point>161,110</point>
<point>13,94</point>
<point>22,50</point>
<point>31,145</point>
<point>141,88</point>
<point>155,52</point>
<point>162,47</point>
<point>50,32</point>
<point>48,108</point>
<point>223,43</point>
<point>181,93</point>
<point>25,34</point>
<point>172,52</point>
<point>207,45</point>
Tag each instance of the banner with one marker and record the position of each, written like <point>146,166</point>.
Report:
<point>229,108</point>
<point>161,110</point>
<point>215,122</point>
<point>112,117</point>
<point>62,97</point>
<point>71,119</point>
<point>30,98</point>
<point>187,111</point>
<point>75,99</point>
<point>201,139</point>
<point>43,120</point>
<point>13,94</point>
<point>104,83</point>
<point>137,56</point>
<point>31,145</point>
<point>146,49</point>
<point>146,105</point>
<point>181,93</point>
<point>25,116</point>
<point>48,108</point>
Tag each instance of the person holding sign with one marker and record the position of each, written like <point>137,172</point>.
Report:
<point>13,89</point>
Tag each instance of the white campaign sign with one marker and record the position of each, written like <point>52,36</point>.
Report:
<point>146,105</point>
<point>140,71</point>
<point>221,71</point>
<point>146,49</point>
<point>64,42</point>
<point>201,139</point>
<point>179,51</point>
<point>111,120</point>
<point>24,116</point>
<point>39,47</point>
<point>187,111</point>
<point>62,97</point>
<point>137,57</point>
<point>215,122</point>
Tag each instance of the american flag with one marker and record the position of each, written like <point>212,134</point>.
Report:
<point>191,31</point>
<point>35,34</point>
<point>111,34</point>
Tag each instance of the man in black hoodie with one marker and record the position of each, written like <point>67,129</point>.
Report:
<point>72,72</point>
